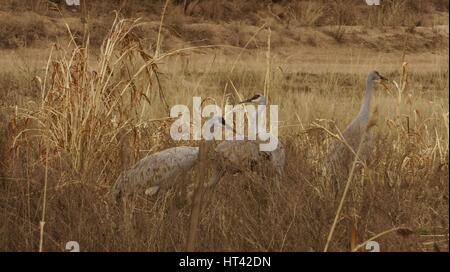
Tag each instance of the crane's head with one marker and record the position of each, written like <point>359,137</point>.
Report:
<point>374,75</point>
<point>257,98</point>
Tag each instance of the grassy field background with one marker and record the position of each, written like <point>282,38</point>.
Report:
<point>73,118</point>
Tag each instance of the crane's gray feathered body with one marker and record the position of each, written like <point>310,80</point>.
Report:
<point>156,170</point>
<point>356,132</point>
<point>238,156</point>
<point>245,155</point>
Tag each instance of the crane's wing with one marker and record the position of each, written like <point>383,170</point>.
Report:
<point>339,153</point>
<point>156,168</point>
<point>244,155</point>
<point>237,154</point>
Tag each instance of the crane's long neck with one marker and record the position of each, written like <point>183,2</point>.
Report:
<point>365,107</point>
<point>217,120</point>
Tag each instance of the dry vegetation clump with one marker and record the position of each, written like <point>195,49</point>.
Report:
<point>15,32</point>
<point>93,118</point>
<point>307,13</point>
<point>77,99</point>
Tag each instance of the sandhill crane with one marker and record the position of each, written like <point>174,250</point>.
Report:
<point>161,168</point>
<point>277,157</point>
<point>233,155</point>
<point>357,130</point>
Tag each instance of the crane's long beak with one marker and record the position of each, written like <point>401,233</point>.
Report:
<point>383,78</point>
<point>245,101</point>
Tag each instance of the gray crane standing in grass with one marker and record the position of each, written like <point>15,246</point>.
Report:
<point>357,132</point>
<point>245,155</point>
<point>161,169</point>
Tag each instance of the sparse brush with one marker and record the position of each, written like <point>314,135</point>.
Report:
<point>337,32</point>
<point>307,13</point>
<point>83,106</point>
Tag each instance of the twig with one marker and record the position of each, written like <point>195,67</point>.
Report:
<point>158,40</point>
<point>44,202</point>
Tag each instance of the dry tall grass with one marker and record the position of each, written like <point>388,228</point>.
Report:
<point>94,117</point>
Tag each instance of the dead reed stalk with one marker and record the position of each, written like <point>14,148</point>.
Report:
<point>268,68</point>
<point>198,197</point>
<point>44,202</point>
<point>344,195</point>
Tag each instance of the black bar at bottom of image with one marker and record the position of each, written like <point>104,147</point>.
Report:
<point>228,261</point>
